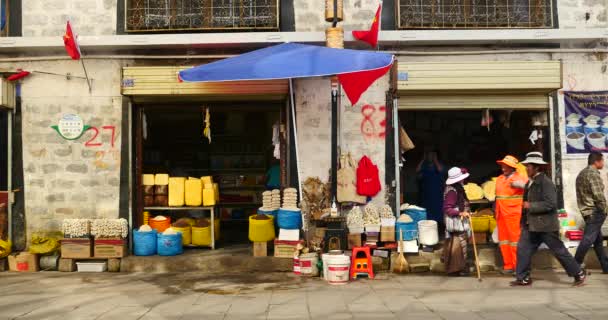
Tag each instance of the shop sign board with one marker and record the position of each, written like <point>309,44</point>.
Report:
<point>586,121</point>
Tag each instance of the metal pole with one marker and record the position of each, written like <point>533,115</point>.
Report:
<point>85,74</point>
<point>397,152</point>
<point>334,140</point>
<point>295,134</point>
<point>9,167</point>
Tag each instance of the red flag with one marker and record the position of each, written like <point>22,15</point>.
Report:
<point>370,36</point>
<point>19,75</point>
<point>356,83</point>
<point>71,45</point>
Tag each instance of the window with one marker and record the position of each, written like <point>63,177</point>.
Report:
<point>474,14</point>
<point>172,15</point>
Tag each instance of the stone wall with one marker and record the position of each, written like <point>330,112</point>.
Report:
<point>310,14</point>
<point>70,179</point>
<point>581,14</point>
<point>88,17</point>
<point>362,129</point>
<point>581,73</point>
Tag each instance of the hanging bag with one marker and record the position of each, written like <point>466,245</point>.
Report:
<point>347,181</point>
<point>368,182</point>
<point>405,143</point>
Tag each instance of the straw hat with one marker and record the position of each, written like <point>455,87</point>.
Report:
<point>509,161</point>
<point>456,175</point>
<point>534,158</point>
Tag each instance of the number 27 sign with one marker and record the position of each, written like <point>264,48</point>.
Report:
<point>71,127</point>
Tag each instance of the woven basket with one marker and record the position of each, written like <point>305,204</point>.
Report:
<point>334,38</point>
<point>329,10</point>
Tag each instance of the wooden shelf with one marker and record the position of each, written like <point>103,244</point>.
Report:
<point>179,208</point>
<point>236,204</point>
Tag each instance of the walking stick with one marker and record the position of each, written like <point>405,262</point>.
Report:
<point>475,250</point>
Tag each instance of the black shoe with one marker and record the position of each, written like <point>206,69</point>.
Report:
<point>521,283</point>
<point>579,280</point>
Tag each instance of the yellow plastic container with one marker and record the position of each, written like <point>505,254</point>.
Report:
<point>208,197</point>
<point>492,224</point>
<point>194,195</point>
<point>186,234</point>
<point>207,180</point>
<point>216,192</point>
<point>201,236</point>
<point>261,230</point>
<point>480,224</point>
<point>176,192</point>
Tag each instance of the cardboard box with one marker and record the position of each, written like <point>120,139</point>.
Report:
<point>285,249</point>
<point>387,233</point>
<point>260,249</point>
<point>23,262</point>
<point>76,248</point>
<point>110,248</point>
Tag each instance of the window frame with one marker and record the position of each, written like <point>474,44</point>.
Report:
<point>125,16</point>
<point>553,17</point>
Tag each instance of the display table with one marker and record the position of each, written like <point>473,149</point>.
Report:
<point>211,210</point>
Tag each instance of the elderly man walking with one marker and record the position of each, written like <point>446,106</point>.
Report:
<point>592,205</point>
<point>539,224</point>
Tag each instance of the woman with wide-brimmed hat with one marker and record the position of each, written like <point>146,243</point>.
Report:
<point>456,210</point>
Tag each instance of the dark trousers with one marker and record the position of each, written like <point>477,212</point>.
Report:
<point>529,242</point>
<point>593,236</point>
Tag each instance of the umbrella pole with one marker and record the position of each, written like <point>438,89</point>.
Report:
<point>295,134</point>
<point>334,139</point>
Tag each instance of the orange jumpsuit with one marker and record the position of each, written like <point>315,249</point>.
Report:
<point>509,202</point>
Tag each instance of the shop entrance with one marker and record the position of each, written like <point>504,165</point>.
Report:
<point>457,138</point>
<point>241,157</point>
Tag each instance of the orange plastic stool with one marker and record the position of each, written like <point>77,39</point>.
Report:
<point>361,265</point>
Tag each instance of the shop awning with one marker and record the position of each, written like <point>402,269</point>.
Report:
<point>356,69</point>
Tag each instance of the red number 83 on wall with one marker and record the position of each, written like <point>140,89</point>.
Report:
<point>369,128</point>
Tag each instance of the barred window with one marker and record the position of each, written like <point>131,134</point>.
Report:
<point>172,15</point>
<point>474,14</point>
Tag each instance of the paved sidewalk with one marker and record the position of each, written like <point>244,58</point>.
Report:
<point>55,295</point>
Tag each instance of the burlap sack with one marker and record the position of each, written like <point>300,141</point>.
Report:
<point>405,142</point>
<point>347,181</point>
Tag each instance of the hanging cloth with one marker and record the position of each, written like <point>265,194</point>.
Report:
<point>276,141</point>
<point>207,130</point>
<point>144,121</point>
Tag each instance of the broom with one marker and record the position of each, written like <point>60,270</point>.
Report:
<point>401,265</point>
<point>475,251</point>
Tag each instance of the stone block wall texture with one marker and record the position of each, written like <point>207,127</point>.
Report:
<point>358,14</point>
<point>44,18</point>
<point>582,14</point>
<point>313,120</point>
<point>310,14</point>
<point>362,129</point>
<point>70,179</point>
<point>581,73</point>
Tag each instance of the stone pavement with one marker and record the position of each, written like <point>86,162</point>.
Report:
<point>53,295</point>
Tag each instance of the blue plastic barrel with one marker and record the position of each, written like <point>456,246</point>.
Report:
<point>410,230</point>
<point>416,214</point>
<point>289,219</point>
<point>170,244</point>
<point>274,213</point>
<point>144,243</point>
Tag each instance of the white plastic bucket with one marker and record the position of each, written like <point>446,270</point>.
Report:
<point>308,264</point>
<point>296,265</point>
<point>326,257</point>
<point>338,269</point>
<point>428,233</point>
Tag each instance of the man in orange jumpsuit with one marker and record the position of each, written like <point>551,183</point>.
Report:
<point>509,199</point>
